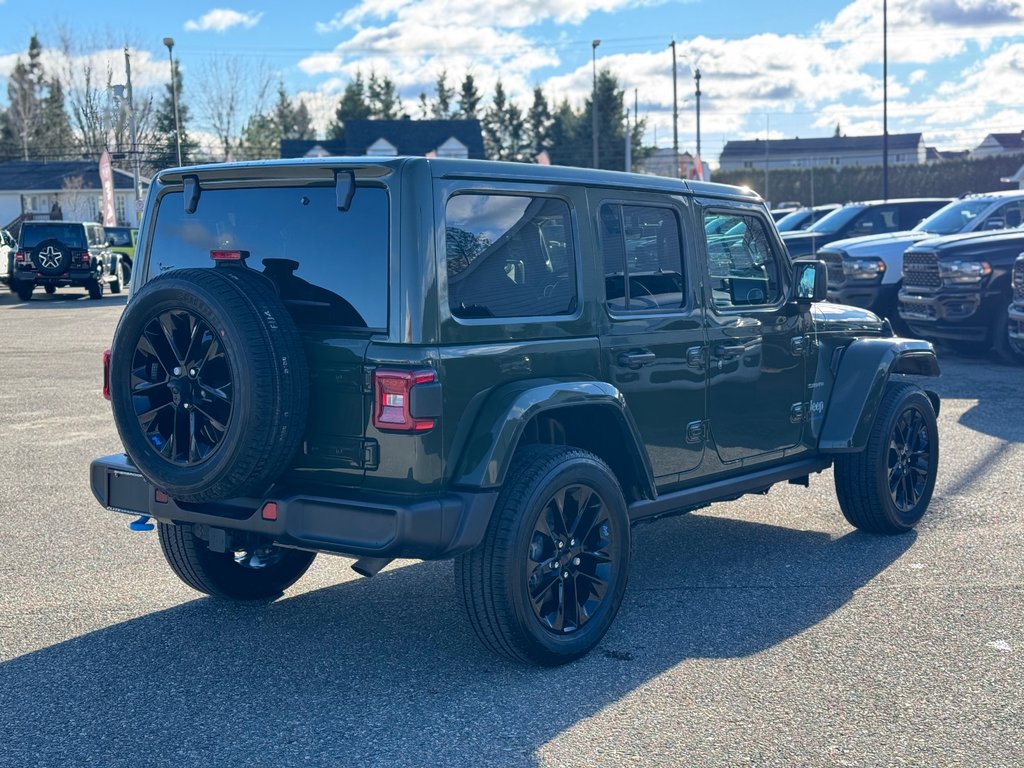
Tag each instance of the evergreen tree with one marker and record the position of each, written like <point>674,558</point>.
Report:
<point>469,99</point>
<point>383,98</point>
<point>354,105</point>
<point>562,136</point>
<point>611,131</point>
<point>505,130</point>
<point>164,153</point>
<point>425,109</point>
<point>56,140</point>
<point>445,95</point>
<point>540,123</point>
<point>303,125</point>
<point>25,94</point>
<point>284,113</point>
<point>261,138</point>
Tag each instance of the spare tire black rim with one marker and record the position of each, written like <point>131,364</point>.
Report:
<point>571,560</point>
<point>182,388</point>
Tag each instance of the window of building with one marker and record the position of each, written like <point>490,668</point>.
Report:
<point>509,256</point>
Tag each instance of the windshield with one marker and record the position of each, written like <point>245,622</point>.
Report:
<point>953,218</point>
<point>794,221</point>
<point>836,220</point>
<point>119,236</point>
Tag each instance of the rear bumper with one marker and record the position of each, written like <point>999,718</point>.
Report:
<point>74,277</point>
<point>363,525</point>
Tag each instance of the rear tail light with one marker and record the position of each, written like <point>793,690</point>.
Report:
<point>82,258</point>
<point>393,396</point>
<point>229,255</point>
<point>106,373</point>
<point>21,257</point>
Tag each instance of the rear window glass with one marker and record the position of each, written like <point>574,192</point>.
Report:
<point>71,235</point>
<point>509,256</point>
<point>119,236</point>
<point>330,266</point>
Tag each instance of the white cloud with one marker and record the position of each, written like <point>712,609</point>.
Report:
<point>223,19</point>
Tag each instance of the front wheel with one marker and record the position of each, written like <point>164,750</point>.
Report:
<point>1006,349</point>
<point>118,280</point>
<point>548,579</point>
<point>886,487</point>
<point>257,573</point>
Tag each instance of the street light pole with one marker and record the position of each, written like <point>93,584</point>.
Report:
<point>134,134</point>
<point>169,42</point>
<point>885,100</point>
<point>696,77</point>
<point>593,97</point>
<point>675,112</point>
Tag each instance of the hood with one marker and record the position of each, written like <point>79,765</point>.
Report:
<point>803,243</point>
<point>840,318</point>
<point>992,239</point>
<point>907,236</point>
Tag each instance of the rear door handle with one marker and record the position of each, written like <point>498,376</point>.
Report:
<point>727,352</point>
<point>636,359</point>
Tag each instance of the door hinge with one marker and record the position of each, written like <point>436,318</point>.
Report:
<point>696,431</point>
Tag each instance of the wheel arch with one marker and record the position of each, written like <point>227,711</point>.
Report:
<point>864,369</point>
<point>585,414</point>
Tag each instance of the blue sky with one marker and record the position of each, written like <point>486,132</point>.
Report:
<point>956,66</point>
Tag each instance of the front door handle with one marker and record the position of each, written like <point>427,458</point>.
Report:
<point>636,359</point>
<point>727,351</point>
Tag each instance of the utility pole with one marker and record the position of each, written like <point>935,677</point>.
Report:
<point>767,138</point>
<point>134,135</point>
<point>885,100</point>
<point>696,77</point>
<point>593,97</point>
<point>675,112</point>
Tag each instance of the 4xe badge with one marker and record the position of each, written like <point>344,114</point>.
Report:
<point>50,258</point>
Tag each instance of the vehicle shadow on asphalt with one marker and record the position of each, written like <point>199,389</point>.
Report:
<point>41,300</point>
<point>386,671</point>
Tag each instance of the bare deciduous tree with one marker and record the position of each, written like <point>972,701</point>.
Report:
<point>233,90</point>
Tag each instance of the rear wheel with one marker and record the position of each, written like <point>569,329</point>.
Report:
<point>255,573</point>
<point>25,292</point>
<point>886,487</point>
<point>95,288</point>
<point>549,577</point>
<point>50,289</point>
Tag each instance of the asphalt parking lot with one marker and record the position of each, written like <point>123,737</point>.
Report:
<point>760,632</point>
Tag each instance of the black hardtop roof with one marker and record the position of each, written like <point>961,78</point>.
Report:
<point>62,222</point>
<point>452,168</point>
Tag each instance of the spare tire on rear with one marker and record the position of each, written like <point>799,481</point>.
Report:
<point>209,383</point>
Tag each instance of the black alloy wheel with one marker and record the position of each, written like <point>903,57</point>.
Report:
<point>909,460</point>
<point>571,559</point>
<point>182,387</point>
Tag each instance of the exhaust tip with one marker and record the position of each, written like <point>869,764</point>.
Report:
<point>370,566</point>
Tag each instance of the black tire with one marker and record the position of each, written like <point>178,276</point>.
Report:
<point>231,575</point>
<point>118,281</point>
<point>126,270</point>
<point>25,292</point>
<point>95,288</point>
<point>495,578</point>
<point>253,410</point>
<point>50,289</point>
<point>1003,347</point>
<point>886,487</point>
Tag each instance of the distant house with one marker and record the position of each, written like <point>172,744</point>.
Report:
<point>389,138</point>
<point>832,151</point>
<point>1000,144</point>
<point>938,155</point>
<point>664,162</point>
<point>30,188</point>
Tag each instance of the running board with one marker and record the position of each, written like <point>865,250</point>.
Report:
<point>722,490</point>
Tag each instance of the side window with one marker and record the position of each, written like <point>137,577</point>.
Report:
<point>743,267</point>
<point>509,256</point>
<point>1009,214</point>
<point>643,267</point>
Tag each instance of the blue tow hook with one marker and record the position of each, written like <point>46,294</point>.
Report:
<point>141,524</point>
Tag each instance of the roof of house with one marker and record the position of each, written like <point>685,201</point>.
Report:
<point>38,176</point>
<point>823,145</point>
<point>408,137</point>
<point>1008,140</point>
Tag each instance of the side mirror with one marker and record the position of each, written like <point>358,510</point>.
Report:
<point>811,281</point>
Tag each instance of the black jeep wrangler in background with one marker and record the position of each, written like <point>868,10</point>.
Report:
<point>503,364</point>
<point>54,254</point>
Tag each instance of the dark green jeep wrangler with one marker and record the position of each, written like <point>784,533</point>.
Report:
<point>503,364</point>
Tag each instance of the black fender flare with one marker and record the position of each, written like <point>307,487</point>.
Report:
<point>864,370</point>
<point>500,424</point>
